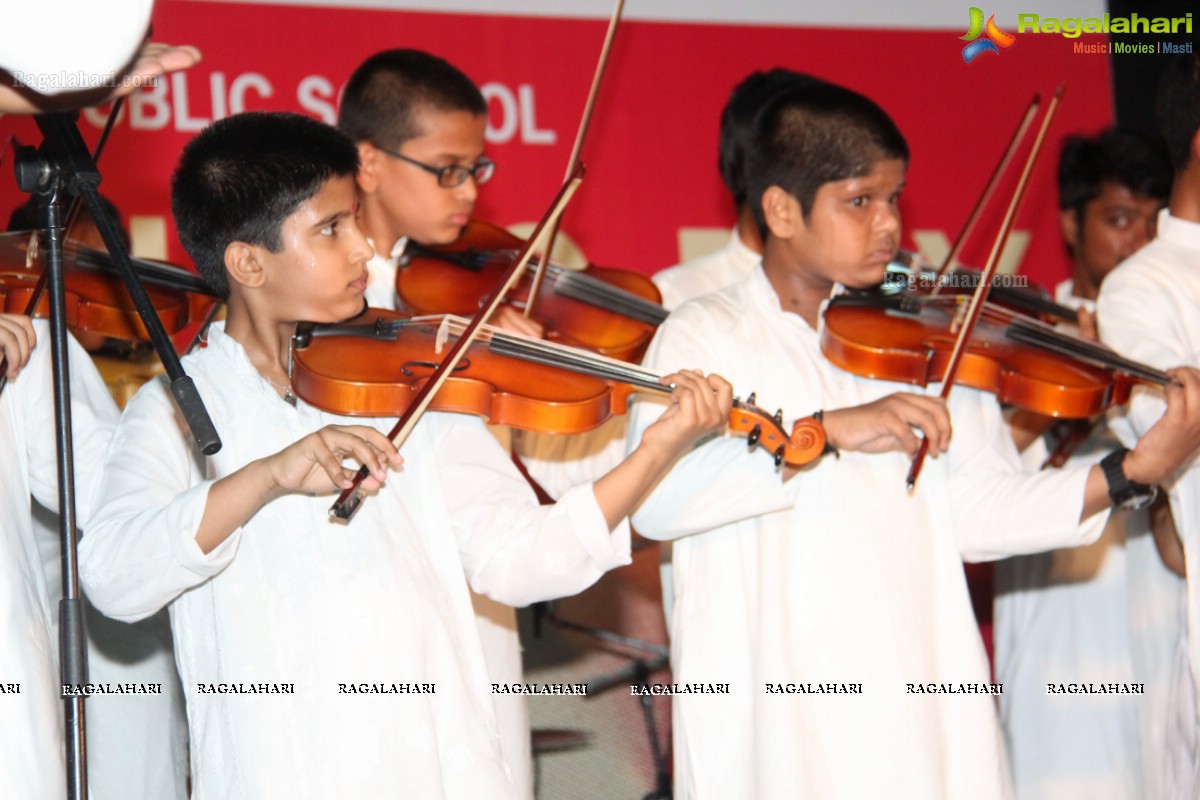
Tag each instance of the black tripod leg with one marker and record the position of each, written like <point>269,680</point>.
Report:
<point>72,636</point>
<point>662,773</point>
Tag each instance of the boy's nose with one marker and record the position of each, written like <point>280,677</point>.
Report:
<point>361,249</point>
<point>888,219</point>
<point>468,190</point>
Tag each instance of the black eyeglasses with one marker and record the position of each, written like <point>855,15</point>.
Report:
<point>454,174</point>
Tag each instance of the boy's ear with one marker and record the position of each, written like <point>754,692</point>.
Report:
<point>1068,225</point>
<point>782,212</point>
<point>242,265</point>
<point>369,161</point>
<point>1193,151</point>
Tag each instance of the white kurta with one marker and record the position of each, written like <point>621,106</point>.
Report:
<point>381,276</point>
<point>838,577</point>
<point>1109,612</point>
<point>497,622</point>
<point>1148,311</point>
<point>291,598</point>
<point>31,730</point>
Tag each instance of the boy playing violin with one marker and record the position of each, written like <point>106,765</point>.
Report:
<point>1147,310</point>
<point>321,661</point>
<point>834,605</point>
<point>418,122</point>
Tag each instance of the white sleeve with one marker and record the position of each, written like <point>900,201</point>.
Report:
<point>718,481</point>
<point>996,508</point>
<point>56,46</point>
<point>514,550</point>
<point>140,552</point>
<point>1138,320</point>
<point>93,416</point>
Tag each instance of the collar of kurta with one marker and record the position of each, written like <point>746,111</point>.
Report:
<point>1178,231</point>
<point>764,296</point>
<point>397,249</point>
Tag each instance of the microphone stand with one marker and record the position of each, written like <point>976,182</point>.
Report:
<point>62,166</point>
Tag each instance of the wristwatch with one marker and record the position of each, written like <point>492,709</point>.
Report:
<point>1125,494</point>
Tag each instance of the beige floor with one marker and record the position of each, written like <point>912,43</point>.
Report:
<point>616,762</point>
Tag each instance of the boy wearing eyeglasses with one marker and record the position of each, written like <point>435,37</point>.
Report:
<point>418,122</point>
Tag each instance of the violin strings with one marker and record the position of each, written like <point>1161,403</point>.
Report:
<point>165,275</point>
<point>580,361</point>
<point>583,287</point>
<point>1028,330</point>
<point>586,289</point>
<point>569,283</point>
<point>558,355</point>
<point>1039,333</point>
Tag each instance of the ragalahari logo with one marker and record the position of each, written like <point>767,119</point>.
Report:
<point>993,36</point>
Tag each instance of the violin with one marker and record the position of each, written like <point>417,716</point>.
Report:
<point>610,311</point>
<point>909,338</point>
<point>97,301</point>
<point>376,364</point>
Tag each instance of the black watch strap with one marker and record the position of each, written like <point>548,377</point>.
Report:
<point>1125,493</point>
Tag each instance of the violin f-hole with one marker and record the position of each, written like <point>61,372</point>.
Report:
<point>407,371</point>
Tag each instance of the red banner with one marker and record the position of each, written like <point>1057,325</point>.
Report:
<point>651,156</point>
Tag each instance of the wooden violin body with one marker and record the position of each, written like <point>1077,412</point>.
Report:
<point>97,301</point>
<point>376,364</point>
<point>610,311</point>
<point>909,339</point>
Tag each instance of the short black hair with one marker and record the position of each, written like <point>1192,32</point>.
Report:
<point>244,175</point>
<point>1116,155</point>
<point>384,97</point>
<point>1179,106</point>
<point>737,122</point>
<point>813,135</point>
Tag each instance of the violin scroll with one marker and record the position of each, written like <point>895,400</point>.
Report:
<point>804,445</point>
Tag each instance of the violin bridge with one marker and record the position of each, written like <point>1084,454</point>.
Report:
<point>443,335</point>
<point>960,318</point>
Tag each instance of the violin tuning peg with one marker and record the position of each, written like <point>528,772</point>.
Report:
<point>754,435</point>
<point>779,457</point>
<point>752,398</point>
<point>779,416</point>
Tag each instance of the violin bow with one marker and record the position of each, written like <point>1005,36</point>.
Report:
<point>988,190</point>
<point>576,152</point>
<point>976,306</point>
<point>349,501</point>
<point>43,280</point>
